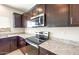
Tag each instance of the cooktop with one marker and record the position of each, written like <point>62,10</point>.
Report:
<point>35,40</point>
<point>39,38</point>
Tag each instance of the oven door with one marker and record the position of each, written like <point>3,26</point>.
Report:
<point>32,43</point>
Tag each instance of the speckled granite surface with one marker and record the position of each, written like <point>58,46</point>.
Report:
<point>61,47</point>
<point>3,35</point>
<point>21,35</point>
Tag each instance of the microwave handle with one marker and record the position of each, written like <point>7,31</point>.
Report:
<point>39,20</point>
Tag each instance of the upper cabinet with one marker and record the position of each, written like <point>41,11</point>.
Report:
<point>57,15</point>
<point>18,20</point>
<point>74,14</point>
<point>38,9</point>
<point>62,15</point>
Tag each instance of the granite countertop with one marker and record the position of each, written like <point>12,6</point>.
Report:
<point>24,35</point>
<point>61,48</point>
<point>21,35</point>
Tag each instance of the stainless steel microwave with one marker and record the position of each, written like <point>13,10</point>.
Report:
<point>37,21</point>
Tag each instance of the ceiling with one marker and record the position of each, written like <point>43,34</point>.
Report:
<point>21,7</point>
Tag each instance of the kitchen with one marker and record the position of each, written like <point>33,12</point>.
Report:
<point>56,24</point>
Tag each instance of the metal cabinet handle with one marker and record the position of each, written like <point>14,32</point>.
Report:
<point>70,20</point>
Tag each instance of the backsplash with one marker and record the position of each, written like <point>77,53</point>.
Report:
<point>5,30</point>
<point>12,31</point>
<point>67,33</point>
<point>18,30</point>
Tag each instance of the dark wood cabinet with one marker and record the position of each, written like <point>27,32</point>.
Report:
<point>21,42</point>
<point>74,14</point>
<point>38,9</point>
<point>57,15</point>
<point>13,43</point>
<point>41,8</point>
<point>4,46</point>
<point>10,44</point>
<point>18,20</point>
<point>43,51</point>
<point>29,15</point>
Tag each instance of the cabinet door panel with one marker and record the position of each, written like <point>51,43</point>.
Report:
<point>8,44</point>
<point>57,15</point>
<point>38,9</point>
<point>21,42</point>
<point>4,46</point>
<point>74,12</point>
<point>13,45</point>
<point>17,20</point>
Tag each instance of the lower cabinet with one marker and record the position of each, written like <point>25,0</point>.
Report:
<point>43,51</point>
<point>10,44</point>
<point>4,46</point>
<point>21,42</point>
<point>13,43</point>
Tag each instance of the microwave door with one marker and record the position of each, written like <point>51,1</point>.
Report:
<point>41,21</point>
<point>36,22</point>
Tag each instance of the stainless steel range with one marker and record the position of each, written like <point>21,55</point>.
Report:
<point>39,38</point>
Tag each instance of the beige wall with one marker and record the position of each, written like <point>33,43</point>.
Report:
<point>67,33</point>
<point>8,12</point>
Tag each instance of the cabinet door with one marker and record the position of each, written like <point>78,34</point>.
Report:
<point>41,8</point>
<point>17,20</point>
<point>4,46</point>
<point>57,15</point>
<point>13,45</point>
<point>74,14</point>
<point>38,9</point>
<point>21,42</point>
